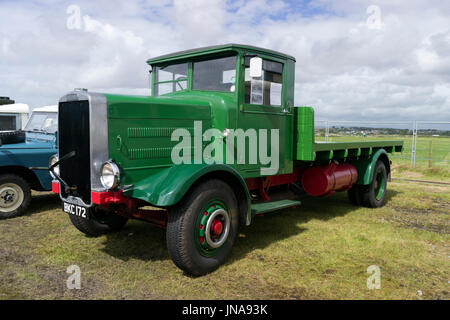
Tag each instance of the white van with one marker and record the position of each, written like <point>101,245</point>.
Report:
<point>13,116</point>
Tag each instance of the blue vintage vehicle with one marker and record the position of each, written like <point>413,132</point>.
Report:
<point>22,153</point>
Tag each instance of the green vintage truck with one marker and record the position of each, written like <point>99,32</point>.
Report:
<point>217,142</point>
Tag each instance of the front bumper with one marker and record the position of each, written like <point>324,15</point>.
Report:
<point>100,198</point>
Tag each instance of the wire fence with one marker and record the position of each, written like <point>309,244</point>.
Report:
<point>426,143</point>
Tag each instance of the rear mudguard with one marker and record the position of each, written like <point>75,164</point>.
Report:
<point>366,166</point>
<point>169,186</point>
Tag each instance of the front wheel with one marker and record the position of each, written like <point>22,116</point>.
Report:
<point>15,196</point>
<point>100,222</point>
<point>202,228</point>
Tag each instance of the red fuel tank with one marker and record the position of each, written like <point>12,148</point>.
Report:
<point>325,180</point>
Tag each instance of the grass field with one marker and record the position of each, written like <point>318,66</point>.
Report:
<point>320,250</point>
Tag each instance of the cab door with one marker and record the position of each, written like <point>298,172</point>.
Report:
<point>263,107</point>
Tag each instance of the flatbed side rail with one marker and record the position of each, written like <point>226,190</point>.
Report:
<point>324,151</point>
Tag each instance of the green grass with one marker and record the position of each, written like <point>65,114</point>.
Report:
<point>320,250</point>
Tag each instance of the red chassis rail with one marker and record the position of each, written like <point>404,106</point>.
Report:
<point>262,184</point>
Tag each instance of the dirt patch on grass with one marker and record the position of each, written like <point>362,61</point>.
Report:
<point>22,277</point>
<point>423,219</point>
<point>255,287</point>
<point>441,206</point>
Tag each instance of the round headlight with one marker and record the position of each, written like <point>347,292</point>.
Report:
<point>53,160</point>
<point>110,174</point>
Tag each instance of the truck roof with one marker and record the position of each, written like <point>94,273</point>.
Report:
<point>215,49</point>
<point>53,108</point>
<point>14,108</point>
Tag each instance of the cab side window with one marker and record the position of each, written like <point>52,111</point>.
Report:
<point>267,89</point>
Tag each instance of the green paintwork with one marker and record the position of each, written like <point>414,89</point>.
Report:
<point>215,50</point>
<point>265,207</point>
<point>326,146</point>
<point>168,185</point>
<point>380,186</point>
<point>350,150</point>
<point>366,166</point>
<point>304,133</point>
<point>306,149</point>
<point>140,129</point>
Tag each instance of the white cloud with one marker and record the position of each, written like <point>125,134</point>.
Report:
<point>400,71</point>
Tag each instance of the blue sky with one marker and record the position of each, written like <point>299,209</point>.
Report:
<point>356,59</point>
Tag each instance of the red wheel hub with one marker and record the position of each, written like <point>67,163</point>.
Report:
<point>216,227</point>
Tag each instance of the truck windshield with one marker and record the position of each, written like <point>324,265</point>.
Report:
<point>170,78</point>
<point>215,75</point>
<point>43,122</point>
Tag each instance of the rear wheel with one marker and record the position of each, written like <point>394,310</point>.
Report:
<point>15,196</point>
<point>202,228</point>
<point>100,222</point>
<point>374,195</point>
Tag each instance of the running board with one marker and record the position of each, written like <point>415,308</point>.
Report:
<point>264,207</point>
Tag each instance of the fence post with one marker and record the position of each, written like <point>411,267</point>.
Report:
<point>430,156</point>
<point>413,145</point>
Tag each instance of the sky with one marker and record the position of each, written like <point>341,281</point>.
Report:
<point>386,60</point>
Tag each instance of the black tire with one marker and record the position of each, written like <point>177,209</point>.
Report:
<point>15,196</point>
<point>182,225</point>
<point>374,195</point>
<point>11,137</point>
<point>99,223</point>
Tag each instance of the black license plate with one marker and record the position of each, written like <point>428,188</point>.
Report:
<point>76,210</point>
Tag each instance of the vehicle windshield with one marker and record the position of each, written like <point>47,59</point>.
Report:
<point>170,78</point>
<point>43,122</point>
<point>217,74</point>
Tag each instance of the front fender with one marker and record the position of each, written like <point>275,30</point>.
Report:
<point>23,159</point>
<point>366,166</point>
<point>168,186</point>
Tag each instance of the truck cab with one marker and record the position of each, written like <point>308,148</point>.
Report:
<point>24,158</point>
<point>209,148</point>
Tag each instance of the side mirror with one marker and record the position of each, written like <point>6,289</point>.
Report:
<point>256,67</point>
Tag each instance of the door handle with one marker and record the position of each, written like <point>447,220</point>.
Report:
<point>288,108</point>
